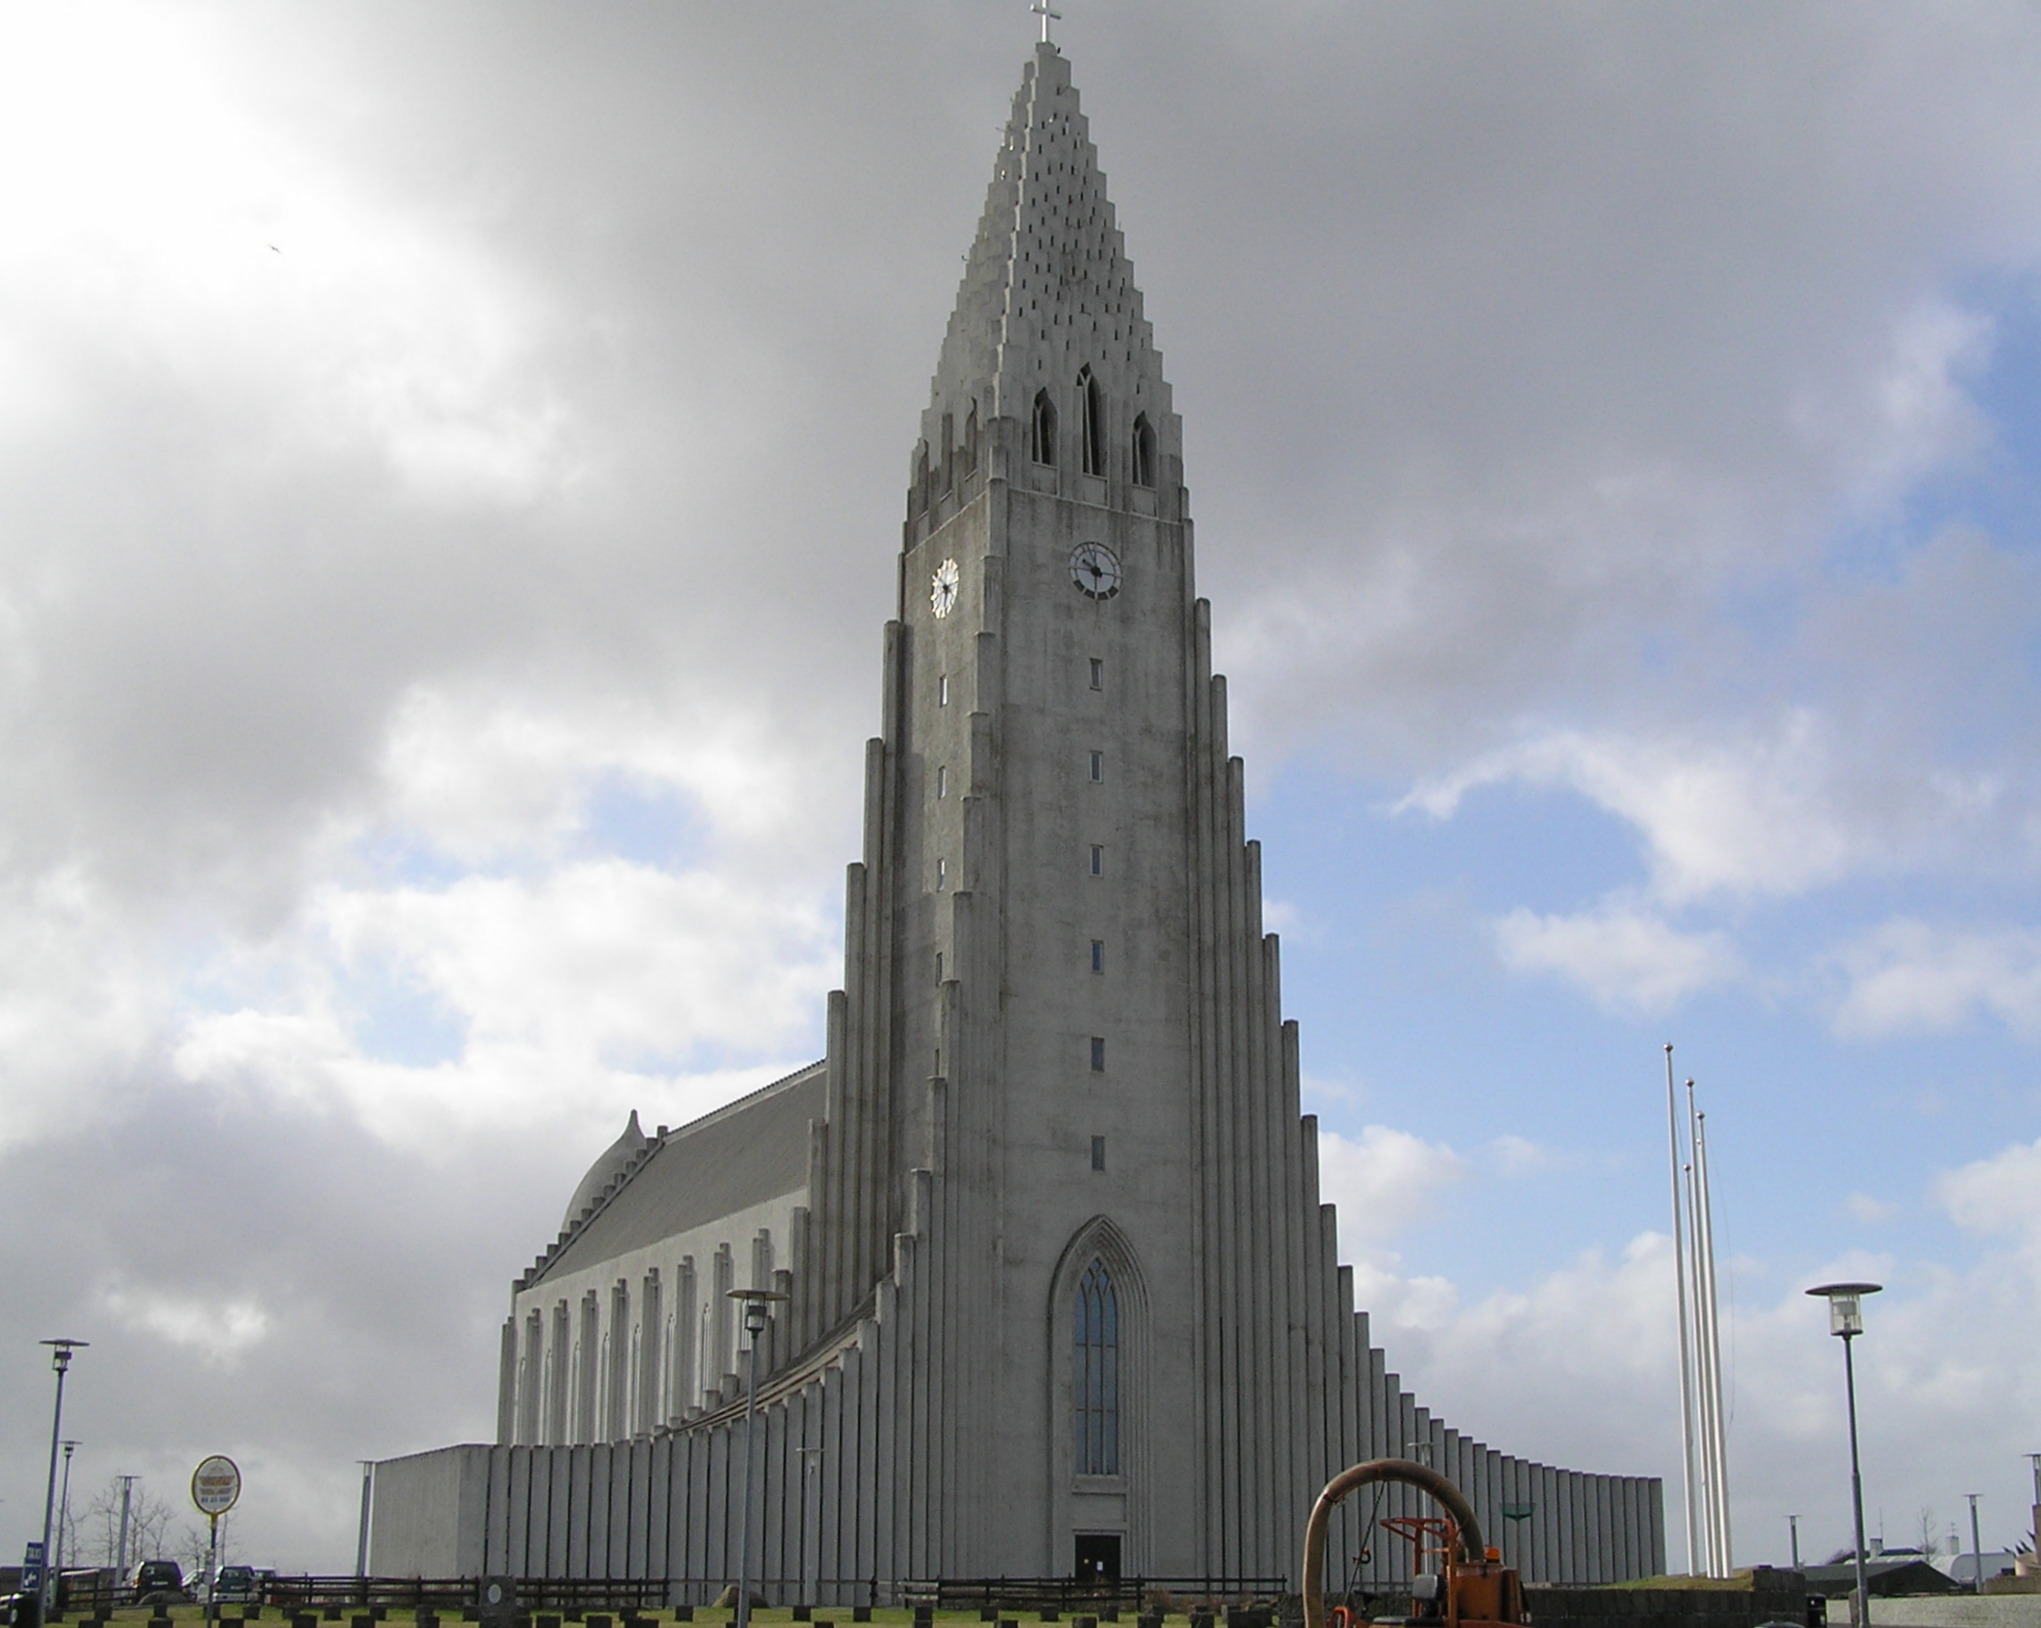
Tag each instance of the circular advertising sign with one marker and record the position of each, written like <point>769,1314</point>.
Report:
<point>216,1485</point>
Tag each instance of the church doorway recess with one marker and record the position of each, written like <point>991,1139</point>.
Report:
<point>1098,1557</point>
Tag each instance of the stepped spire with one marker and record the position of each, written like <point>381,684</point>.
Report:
<point>1048,291</point>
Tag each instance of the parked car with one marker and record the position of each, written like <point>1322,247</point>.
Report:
<point>159,1582</point>
<point>238,1583</point>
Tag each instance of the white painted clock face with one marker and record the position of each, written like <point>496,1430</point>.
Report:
<point>942,589</point>
<point>1095,569</point>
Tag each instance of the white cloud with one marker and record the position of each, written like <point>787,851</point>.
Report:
<point>479,775</point>
<point>218,1328</point>
<point>2000,1196</point>
<point>1384,1182</point>
<point>240,258</point>
<point>1625,957</point>
<point>1912,977</point>
<point>1518,1156</point>
<point>601,986</point>
<point>1750,816</point>
<point>1871,1211</point>
<point>82,1002</point>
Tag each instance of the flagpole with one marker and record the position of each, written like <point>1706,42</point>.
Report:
<point>1679,1256</point>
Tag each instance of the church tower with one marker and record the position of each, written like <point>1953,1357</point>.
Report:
<point>1028,897</point>
<point>1073,991</point>
<point>1060,1293</point>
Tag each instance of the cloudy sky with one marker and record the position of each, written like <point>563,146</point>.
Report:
<point>451,458</point>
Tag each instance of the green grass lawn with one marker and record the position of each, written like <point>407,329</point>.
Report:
<point>189,1616</point>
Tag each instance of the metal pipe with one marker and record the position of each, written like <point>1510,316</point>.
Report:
<point>64,1506</point>
<point>1718,1430</point>
<point>1472,1547</point>
<point>1863,1607</point>
<point>127,1491</point>
<point>1976,1547</point>
<point>1679,1258</point>
<point>1704,1390</point>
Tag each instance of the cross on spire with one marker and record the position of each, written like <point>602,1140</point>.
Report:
<point>1043,10</point>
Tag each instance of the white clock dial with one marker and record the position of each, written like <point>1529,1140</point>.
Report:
<point>1095,570</point>
<point>942,588</point>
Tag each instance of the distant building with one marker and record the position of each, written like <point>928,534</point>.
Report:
<point>1963,1567</point>
<point>1891,1573</point>
<point>1061,1294</point>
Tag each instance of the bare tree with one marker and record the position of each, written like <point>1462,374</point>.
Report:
<point>97,1539</point>
<point>1931,1537</point>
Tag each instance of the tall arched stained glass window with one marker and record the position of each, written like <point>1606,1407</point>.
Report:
<point>1097,1412</point>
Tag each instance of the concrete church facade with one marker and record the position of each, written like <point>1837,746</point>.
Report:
<point>1060,1290</point>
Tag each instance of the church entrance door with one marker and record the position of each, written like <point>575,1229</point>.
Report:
<point>1098,1555</point>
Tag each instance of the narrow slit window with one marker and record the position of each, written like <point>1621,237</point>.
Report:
<point>1098,1153</point>
<point>1098,955</point>
<point>942,879</point>
<point>1042,430</point>
<point>1098,859</point>
<point>1098,766</point>
<point>1098,1054</point>
<point>1091,422</point>
<point>938,966</point>
<point>1144,451</point>
<point>942,781</point>
<point>1098,673</point>
<point>942,689</point>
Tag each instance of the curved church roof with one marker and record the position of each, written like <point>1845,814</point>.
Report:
<point>610,1164</point>
<point>645,1188</point>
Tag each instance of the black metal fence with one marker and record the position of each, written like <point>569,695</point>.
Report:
<point>1090,1594</point>
<point>362,1602</point>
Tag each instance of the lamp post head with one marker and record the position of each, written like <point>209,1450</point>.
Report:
<point>1845,1305</point>
<point>60,1355</point>
<point>757,1307</point>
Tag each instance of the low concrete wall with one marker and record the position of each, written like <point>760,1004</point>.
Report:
<point>1952,1611</point>
<point>429,1515</point>
<point>1775,1596</point>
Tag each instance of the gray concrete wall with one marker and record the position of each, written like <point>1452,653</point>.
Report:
<point>1951,1611</point>
<point>428,1515</point>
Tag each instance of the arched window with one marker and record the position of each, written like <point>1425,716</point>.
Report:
<point>1042,429</point>
<point>1096,1375</point>
<point>1144,451</point>
<point>1091,412</point>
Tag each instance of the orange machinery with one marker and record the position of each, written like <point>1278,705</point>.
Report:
<point>1457,1580</point>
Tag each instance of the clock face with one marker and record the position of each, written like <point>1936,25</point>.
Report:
<point>942,588</point>
<point>1095,569</point>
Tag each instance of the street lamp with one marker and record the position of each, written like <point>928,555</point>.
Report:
<point>1846,1322</point>
<point>60,1359</point>
<point>757,1314</point>
<point>64,1505</point>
